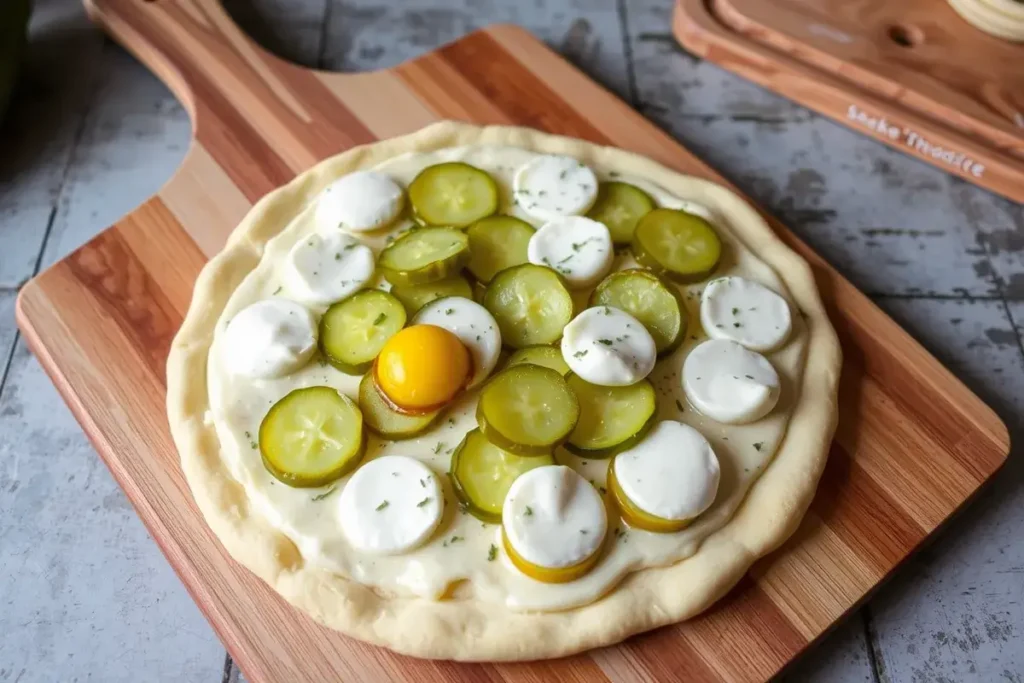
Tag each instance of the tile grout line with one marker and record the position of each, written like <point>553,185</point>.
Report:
<point>325,19</point>
<point>875,660</point>
<point>627,48</point>
<point>228,666</point>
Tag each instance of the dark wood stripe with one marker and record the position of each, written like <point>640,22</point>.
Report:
<point>333,127</point>
<point>854,507</point>
<point>447,93</point>
<point>128,297</point>
<point>577,669</point>
<point>667,656</point>
<point>516,90</point>
<point>750,637</point>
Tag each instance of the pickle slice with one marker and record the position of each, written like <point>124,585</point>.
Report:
<point>424,255</point>
<point>497,243</point>
<point>454,194</point>
<point>619,206</point>
<point>353,331</point>
<point>385,421</point>
<point>311,437</point>
<point>650,300</point>
<point>612,419</point>
<point>548,574</point>
<point>482,474</point>
<point>677,244</point>
<point>542,355</point>
<point>530,303</point>
<point>415,297</point>
<point>527,409</point>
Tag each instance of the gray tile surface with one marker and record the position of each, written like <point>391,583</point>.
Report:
<point>85,594</point>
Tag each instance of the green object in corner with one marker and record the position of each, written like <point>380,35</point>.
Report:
<point>13,37</point>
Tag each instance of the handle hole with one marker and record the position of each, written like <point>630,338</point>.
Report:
<point>905,35</point>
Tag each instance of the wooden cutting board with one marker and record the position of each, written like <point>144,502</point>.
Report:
<point>913,444</point>
<point>912,74</point>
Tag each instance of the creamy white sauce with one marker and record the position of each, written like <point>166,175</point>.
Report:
<point>472,324</point>
<point>328,267</point>
<point>673,473</point>
<point>745,312</point>
<point>607,346</point>
<point>458,551</point>
<point>579,248</point>
<point>553,517</point>
<point>729,383</point>
<point>269,339</point>
<point>360,201</point>
<point>390,505</point>
<point>550,186</point>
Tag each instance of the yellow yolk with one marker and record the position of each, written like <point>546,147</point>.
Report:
<point>422,367</point>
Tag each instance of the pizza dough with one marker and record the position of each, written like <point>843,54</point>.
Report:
<point>470,628</point>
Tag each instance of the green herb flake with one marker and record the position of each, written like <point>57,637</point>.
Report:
<point>449,311</point>
<point>737,324</point>
<point>679,404</point>
<point>423,483</point>
<point>529,511</point>
<point>456,539</point>
<point>423,502</point>
<point>758,446</point>
<point>492,553</point>
<point>606,342</point>
<point>325,494</point>
<point>380,318</point>
<point>383,504</point>
<point>735,311</point>
<point>439,447</point>
<point>277,291</point>
<point>580,354</point>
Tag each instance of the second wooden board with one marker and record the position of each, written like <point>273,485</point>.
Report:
<point>913,443</point>
<point>911,74</point>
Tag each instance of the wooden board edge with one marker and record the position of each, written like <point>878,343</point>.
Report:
<point>698,30</point>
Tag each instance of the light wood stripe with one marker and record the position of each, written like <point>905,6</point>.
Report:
<point>913,442</point>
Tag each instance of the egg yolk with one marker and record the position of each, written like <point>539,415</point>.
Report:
<point>422,367</point>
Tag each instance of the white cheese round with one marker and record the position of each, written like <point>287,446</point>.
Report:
<point>269,338</point>
<point>578,248</point>
<point>324,268</point>
<point>553,517</point>
<point>360,201</point>
<point>551,186</point>
<point>672,474</point>
<point>746,312</point>
<point>729,383</point>
<point>607,346</point>
<point>472,324</point>
<point>390,505</point>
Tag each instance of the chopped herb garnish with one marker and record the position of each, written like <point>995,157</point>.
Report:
<point>749,376</point>
<point>449,311</point>
<point>607,311</point>
<point>758,446</point>
<point>737,324</point>
<point>492,553</point>
<point>337,257</point>
<point>438,447</point>
<point>735,311</point>
<point>679,404</point>
<point>456,539</point>
<point>423,483</point>
<point>423,502</point>
<point>380,318</point>
<point>277,291</point>
<point>566,258</point>
<point>580,354</point>
<point>383,504</point>
<point>606,342</point>
<point>325,494</point>
<point>584,532</point>
<point>529,511</point>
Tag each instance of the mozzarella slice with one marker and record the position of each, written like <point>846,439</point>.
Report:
<point>324,268</point>
<point>746,312</point>
<point>390,505</point>
<point>728,383</point>
<point>551,186</point>
<point>690,207</point>
<point>472,324</point>
<point>360,201</point>
<point>579,248</point>
<point>672,474</point>
<point>553,517</point>
<point>269,338</point>
<point>607,346</point>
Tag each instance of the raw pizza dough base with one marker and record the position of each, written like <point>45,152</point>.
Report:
<point>466,629</point>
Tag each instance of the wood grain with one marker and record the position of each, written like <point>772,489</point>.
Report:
<point>914,443</point>
<point>915,64</point>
